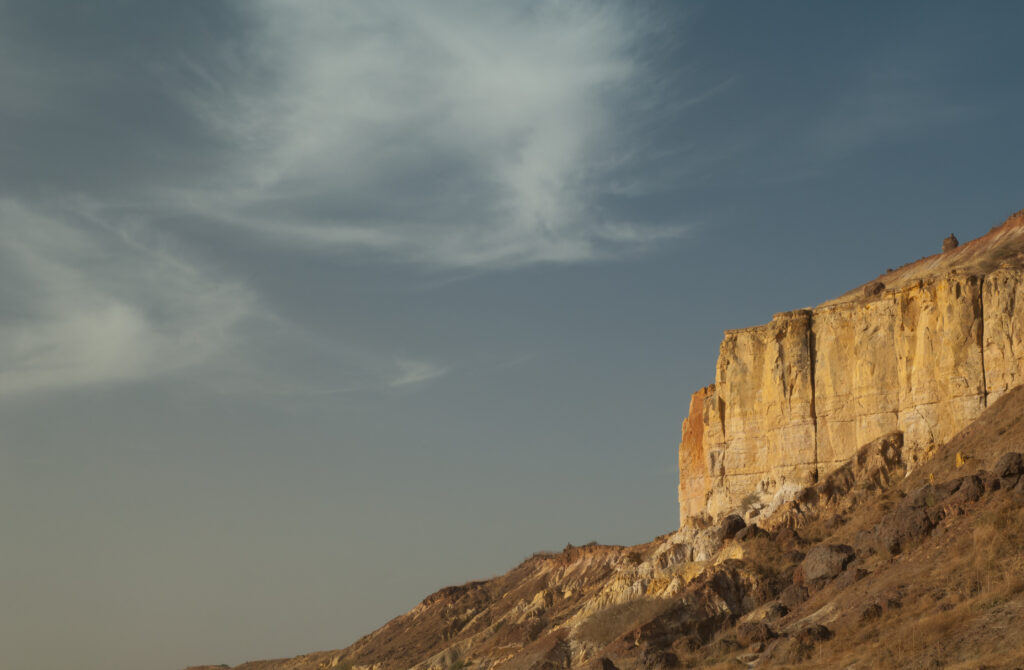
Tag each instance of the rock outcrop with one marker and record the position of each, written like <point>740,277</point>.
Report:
<point>921,350</point>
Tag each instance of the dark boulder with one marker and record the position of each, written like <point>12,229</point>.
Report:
<point>971,489</point>
<point>731,525</point>
<point>814,633</point>
<point>948,488</point>
<point>750,633</point>
<point>990,481</point>
<point>1010,464</point>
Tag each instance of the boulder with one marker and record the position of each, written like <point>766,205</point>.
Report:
<point>1010,464</point>
<point>990,481</point>
<point>905,525</point>
<point>813,634</point>
<point>731,525</point>
<point>971,489</point>
<point>948,488</point>
<point>750,633</point>
<point>823,563</point>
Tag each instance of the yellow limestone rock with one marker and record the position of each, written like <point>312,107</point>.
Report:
<point>939,360</point>
<point>760,422</point>
<point>1003,300</point>
<point>856,386</point>
<point>921,350</point>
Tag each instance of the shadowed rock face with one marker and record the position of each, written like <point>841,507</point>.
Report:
<point>921,350</point>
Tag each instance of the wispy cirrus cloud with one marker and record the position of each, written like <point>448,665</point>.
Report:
<point>464,135</point>
<point>86,305</point>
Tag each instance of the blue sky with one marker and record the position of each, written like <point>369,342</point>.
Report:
<point>309,309</point>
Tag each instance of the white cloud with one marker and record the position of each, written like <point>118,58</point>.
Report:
<point>462,134</point>
<point>87,304</point>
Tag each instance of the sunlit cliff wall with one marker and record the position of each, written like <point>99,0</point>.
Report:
<point>923,351</point>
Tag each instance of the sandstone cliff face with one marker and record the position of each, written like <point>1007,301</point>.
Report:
<point>922,352</point>
<point>763,407</point>
<point>694,477</point>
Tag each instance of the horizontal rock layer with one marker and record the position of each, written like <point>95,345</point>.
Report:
<point>796,397</point>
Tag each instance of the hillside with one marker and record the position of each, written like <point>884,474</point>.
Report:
<point>867,569</point>
<point>851,496</point>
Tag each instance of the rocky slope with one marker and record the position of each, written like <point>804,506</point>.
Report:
<point>921,350</point>
<point>852,496</point>
<point>870,567</point>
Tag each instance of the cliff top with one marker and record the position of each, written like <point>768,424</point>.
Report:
<point>1000,247</point>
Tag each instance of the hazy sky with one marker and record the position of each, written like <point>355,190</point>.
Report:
<point>308,309</point>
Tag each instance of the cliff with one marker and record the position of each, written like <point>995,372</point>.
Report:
<point>921,350</point>
<point>876,440</point>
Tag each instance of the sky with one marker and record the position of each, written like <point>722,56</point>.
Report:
<point>309,309</point>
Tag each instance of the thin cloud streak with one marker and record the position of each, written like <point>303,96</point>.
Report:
<point>415,372</point>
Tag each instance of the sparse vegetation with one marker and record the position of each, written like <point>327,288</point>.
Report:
<point>604,626</point>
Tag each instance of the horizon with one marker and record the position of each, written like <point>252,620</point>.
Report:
<point>312,309</point>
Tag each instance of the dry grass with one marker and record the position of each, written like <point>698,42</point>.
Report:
<point>962,604</point>
<point>603,627</point>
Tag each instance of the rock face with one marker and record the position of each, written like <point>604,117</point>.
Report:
<point>921,350</point>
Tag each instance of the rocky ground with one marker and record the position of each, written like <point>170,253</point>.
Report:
<point>871,567</point>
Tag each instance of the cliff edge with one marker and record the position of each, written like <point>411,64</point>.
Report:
<point>920,350</point>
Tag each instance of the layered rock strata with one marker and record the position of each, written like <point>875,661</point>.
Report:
<point>921,350</point>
